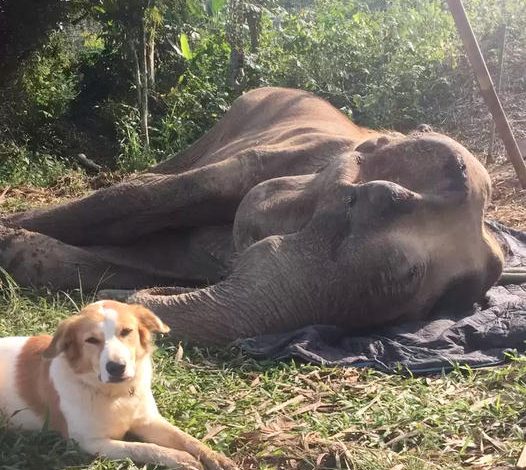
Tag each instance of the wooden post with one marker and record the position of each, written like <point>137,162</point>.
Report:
<point>487,88</point>
<point>491,157</point>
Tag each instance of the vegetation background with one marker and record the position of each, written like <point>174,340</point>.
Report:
<point>132,82</point>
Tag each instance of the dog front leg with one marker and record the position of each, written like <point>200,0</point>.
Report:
<point>141,452</point>
<point>163,433</point>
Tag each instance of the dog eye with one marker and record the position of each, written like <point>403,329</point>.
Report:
<point>126,331</point>
<point>93,340</point>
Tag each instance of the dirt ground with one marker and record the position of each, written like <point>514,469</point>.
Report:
<point>508,203</point>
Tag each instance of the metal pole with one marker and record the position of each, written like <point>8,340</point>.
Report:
<point>487,88</point>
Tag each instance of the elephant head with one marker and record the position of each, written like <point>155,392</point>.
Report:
<point>390,231</point>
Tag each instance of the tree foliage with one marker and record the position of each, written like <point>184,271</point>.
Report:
<point>130,82</point>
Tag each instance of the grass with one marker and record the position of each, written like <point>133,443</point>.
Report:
<point>17,197</point>
<point>290,415</point>
<point>286,415</point>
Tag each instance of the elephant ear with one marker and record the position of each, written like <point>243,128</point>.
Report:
<point>370,145</point>
<point>428,164</point>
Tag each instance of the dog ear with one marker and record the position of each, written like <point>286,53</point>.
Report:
<point>61,340</point>
<point>149,320</point>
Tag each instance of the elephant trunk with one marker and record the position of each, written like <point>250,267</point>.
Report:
<point>269,291</point>
<point>209,316</point>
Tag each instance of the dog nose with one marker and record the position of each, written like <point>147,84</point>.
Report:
<point>115,368</point>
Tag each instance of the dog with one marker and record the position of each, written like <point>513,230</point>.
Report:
<point>91,382</point>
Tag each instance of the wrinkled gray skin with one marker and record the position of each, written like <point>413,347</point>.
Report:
<point>302,217</point>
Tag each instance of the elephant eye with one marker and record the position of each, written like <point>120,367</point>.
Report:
<point>350,197</point>
<point>415,273</point>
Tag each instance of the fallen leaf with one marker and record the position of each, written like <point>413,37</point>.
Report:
<point>281,406</point>
<point>214,431</point>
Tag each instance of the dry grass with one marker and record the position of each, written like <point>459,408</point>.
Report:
<point>73,184</point>
<point>508,203</point>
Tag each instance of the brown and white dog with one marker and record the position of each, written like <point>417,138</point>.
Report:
<point>91,382</point>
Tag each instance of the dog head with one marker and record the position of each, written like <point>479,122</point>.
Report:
<point>106,339</point>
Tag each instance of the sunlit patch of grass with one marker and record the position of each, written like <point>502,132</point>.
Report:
<point>18,197</point>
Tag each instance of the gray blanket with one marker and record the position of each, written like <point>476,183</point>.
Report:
<point>483,336</point>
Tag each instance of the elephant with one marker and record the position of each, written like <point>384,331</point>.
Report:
<point>284,214</point>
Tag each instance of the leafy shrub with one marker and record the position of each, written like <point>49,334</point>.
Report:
<point>132,156</point>
<point>18,165</point>
<point>49,82</point>
<point>192,109</point>
<point>380,63</point>
<point>386,63</point>
<point>198,99</point>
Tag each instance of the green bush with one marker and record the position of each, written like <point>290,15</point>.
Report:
<point>381,64</point>
<point>133,155</point>
<point>18,165</point>
<point>198,99</point>
<point>185,106</point>
<point>49,83</point>
<point>386,63</point>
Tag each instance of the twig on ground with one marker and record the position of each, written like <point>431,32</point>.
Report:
<point>4,192</point>
<point>521,463</point>
<point>281,406</point>
<point>87,163</point>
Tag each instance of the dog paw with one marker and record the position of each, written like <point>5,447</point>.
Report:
<point>179,460</point>
<point>219,462</point>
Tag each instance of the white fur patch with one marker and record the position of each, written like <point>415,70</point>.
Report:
<point>114,350</point>
<point>14,409</point>
<point>94,411</point>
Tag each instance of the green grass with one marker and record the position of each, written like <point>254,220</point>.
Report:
<point>290,415</point>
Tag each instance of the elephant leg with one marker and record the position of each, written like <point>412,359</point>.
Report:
<point>191,257</point>
<point>160,259</point>
<point>33,259</point>
<point>146,204</point>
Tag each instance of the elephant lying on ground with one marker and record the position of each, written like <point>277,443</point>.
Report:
<point>289,213</point>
